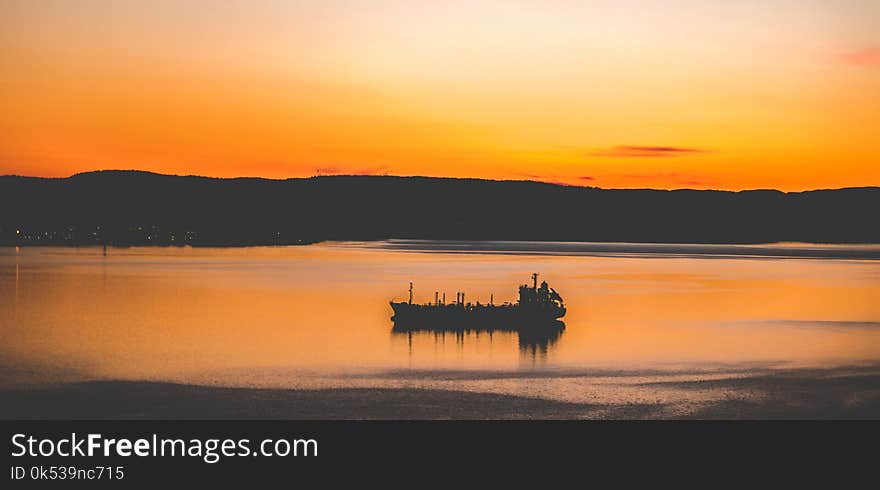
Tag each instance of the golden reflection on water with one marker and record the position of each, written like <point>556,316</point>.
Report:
<point>232,316</point>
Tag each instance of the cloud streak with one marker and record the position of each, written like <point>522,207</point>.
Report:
<point>556,179</point>
<point>869,56</point>
<point>631,151</point>
<point>329,171</point>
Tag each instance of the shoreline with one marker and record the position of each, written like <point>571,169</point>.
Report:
<point>797,395</point>
<point>775,250</point>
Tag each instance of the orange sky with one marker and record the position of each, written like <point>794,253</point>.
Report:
<point>690,93</point>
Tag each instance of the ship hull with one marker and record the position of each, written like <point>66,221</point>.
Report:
<point>504,317</point>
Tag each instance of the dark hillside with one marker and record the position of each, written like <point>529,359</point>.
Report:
<point>127,207</point>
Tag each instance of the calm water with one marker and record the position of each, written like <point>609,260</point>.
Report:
<point>318,316</point>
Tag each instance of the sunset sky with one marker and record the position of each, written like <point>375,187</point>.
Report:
<point>612,93</point>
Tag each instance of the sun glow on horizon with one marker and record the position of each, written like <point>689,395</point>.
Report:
<point>694,93</point>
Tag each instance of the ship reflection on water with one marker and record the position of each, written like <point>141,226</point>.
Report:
<point>532,342</point>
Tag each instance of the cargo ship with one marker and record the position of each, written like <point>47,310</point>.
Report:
<point>538,308</point>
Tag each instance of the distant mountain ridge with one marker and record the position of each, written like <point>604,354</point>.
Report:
<point>143,208</point>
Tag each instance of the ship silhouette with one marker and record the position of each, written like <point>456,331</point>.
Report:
<point>537,311</point>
